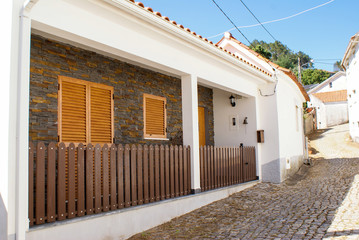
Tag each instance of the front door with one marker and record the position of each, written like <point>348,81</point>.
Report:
<point>201,126</point>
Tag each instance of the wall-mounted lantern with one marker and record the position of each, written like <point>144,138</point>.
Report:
<point>232,100</point>
<point>245,120</point>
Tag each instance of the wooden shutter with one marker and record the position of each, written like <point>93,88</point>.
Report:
<point>101,114</point>
<point>154,108</point>
<point>72,111</point>
<point>85,112</point>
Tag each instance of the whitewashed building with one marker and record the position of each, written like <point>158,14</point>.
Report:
<point>113,72</point>
<point>350,64</point>
<point>329,99</point>
<point>288,96</point>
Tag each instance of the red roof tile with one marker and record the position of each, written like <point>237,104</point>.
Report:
<point>288,72</point>
<point>335,96</point>
<point>193,33</point>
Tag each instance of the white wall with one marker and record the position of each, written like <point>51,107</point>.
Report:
<point>331,113</point>
<point>268,152</point>
<point>11,226</point>
<point>337,113</point>
<point>122,224</point>
<point>320,111</point>
<point>291,128</point>
<point>353,90</point>
<point>339,82</point>
<point>6,15</point>
<point>138,41</point>
<point>286,133</point>
<point>224,133</point>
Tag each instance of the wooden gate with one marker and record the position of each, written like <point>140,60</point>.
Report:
<point>224,166</point>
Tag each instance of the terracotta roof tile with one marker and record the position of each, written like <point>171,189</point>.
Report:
<point>193,33</point>
<point>335,96</point>
<point>288,72</point>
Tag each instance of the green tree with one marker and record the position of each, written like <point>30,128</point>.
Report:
<point>282,55</point>
<point>312,76</point>
<point>262,51</point>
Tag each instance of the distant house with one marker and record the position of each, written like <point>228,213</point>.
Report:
<point>351,66</point>
<point>329,99</point>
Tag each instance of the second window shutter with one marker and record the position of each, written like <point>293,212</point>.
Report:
<point>155,116</point>
<point>100,115</point>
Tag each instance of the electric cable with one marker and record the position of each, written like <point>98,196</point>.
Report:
<point>258,20</point>
<point>276,20</point>
<point>231,21</point>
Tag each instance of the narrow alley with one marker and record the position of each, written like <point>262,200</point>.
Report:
<point>320,202</point>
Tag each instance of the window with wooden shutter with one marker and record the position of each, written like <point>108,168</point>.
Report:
<point>154,115</point>
<point>85,111</point>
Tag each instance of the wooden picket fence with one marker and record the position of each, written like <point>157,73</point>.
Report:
<point>72,181</point>
<point>224,166</point>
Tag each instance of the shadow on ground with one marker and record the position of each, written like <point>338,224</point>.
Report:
<point>303,207</point>
<point>318,133</point>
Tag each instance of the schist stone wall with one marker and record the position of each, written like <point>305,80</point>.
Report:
<point>49,59</point>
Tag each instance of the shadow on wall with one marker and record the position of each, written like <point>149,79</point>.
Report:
<point>3,219</point>
<point>271,171</point>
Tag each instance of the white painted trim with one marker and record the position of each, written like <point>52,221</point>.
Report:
<point>180,33</point>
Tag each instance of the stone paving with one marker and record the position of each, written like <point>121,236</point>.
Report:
<point>319,202</point>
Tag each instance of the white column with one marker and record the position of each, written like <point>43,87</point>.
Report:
<point>190,126</point>
<point>6,15</point>
<point>22,127</point>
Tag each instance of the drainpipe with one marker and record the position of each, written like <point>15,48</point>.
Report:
<point>22,119</point>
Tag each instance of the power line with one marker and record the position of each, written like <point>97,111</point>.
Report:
<point>324,63</point>
<point>231,21</point>
<point>327,59</point>
<point>276,20</point>
<point>258,20</point>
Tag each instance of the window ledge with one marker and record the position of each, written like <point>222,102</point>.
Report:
<point>163,139</point>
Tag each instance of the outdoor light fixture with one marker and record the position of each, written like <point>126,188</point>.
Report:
<point>232,100</point>
<point>245,120</point>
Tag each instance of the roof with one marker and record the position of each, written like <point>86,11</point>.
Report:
<point>310,86</point>
<point>158,14</point>
<point>335,96</point>
<point>352,43</point>
<point>322,84</point>
<point>288,72</point>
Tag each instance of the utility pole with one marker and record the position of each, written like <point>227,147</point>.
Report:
<point>299,71</point>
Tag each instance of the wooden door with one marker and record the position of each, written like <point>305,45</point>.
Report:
<point>201,126</point>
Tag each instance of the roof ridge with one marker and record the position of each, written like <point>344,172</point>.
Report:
<point>158,14</point>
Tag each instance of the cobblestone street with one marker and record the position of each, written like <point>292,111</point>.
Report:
<point>320,201</point>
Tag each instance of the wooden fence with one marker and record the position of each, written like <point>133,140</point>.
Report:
<point>224,166</point>
<point>66,182</point>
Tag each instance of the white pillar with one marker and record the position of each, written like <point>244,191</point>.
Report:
<point>22,129</point>
<point>190,126</point>
<point>6,17</point>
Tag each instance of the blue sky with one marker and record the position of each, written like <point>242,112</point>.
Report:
<point>322,33</point>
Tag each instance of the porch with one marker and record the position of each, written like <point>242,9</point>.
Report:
<point>73,181</point>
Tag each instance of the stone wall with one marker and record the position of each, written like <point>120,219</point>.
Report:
<point>49,59</point>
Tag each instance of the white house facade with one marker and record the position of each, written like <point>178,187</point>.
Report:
<point>286,96</point>
<point>329,99</point>
<point>350,64</point>
<point>113,72</point>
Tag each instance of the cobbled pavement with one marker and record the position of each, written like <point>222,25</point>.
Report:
<point>319,202</point>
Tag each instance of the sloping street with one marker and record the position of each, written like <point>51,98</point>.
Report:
<point>320,201</point>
